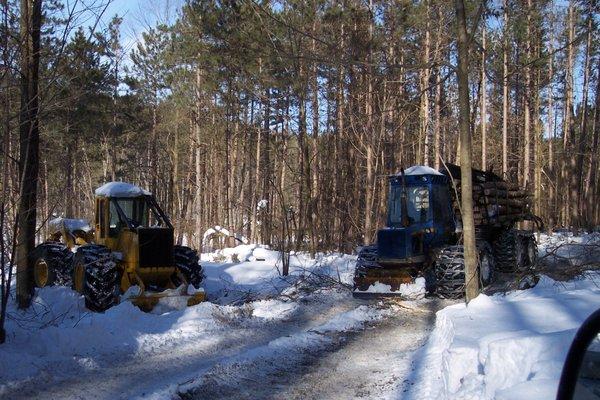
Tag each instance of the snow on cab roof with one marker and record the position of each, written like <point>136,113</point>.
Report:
<point>120,189</point>
<point>420,170</point>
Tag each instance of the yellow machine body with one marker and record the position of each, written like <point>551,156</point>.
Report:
<point>125,247</point>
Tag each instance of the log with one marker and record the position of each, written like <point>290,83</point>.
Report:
<point>505,193</point>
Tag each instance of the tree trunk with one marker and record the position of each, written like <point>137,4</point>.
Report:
<point>31,19</point>
<point>527,101</point>
<point>368,137</point>
<point>424,139</point>
<point>315,140</point>
<point>470,251</point>
<point>592,180</point>
<point>483,104</point>
<point>578,174</point>
<point>438,119</point>
<point>505,93</point>
<point>569,209</point>
<point>198,183</point>
<point>551,200</point>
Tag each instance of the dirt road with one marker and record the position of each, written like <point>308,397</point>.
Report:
<point>375,362</point>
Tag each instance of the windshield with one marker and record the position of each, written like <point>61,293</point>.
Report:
<point>417,204</point>
<point>134,212</point>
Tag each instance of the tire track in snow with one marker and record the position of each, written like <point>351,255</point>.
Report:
<point>125,376</point>
<point>373,362</point>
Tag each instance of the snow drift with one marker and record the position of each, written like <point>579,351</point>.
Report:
<point>506,346</point>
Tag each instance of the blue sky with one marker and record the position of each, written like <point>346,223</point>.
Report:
<point>138,15</point>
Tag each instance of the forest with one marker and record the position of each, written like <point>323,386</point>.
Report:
<point>280,120</point>
<point>241,196</point>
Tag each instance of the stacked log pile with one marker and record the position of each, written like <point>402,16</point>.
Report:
<point>495,202</point>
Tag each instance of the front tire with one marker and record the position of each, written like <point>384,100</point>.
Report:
<point>96,276</point>
<point>187,263</point>
<point>52,263</point>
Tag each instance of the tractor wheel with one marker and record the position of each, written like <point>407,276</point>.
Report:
<point>486,264</point>
<point>515,251</point>
<point>187,262</point>
<point>367,256</point>
<point>52,264</point>
<point>449,270</point>
<point>531,250</point>
<point>96,276</point>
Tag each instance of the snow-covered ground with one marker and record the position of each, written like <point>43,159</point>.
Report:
<point>512,346</point>
<point>256,317</point>
<point>263,335</point>
<point>564,250</point>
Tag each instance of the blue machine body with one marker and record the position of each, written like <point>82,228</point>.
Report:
<point>420,218</point>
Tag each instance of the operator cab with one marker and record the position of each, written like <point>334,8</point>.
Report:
<point>419,215</point>
<point>129,207</point>
<point>129,220</point>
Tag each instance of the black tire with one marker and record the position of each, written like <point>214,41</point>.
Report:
<point>487,264</point>
<point>187,263</point>
<point>531,250</point>
<point>52,264</point>
<point>99,282</point>
<point>449,270</point>
<point>511,251</point>
<point>367,258</point>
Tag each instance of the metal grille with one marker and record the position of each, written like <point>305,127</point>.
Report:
<point>391,243</point>
<point>156,247</point>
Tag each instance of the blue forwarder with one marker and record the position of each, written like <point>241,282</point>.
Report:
<point>423,236</point>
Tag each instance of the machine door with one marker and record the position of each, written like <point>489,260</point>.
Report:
<point>441,202</point>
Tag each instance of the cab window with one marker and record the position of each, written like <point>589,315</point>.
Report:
<point>114,224</point>
<point>418,204</point>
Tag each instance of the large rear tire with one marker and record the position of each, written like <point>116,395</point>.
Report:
<point>52,264</point>
<point>96,276</point>
<point>449,270</point>
<point>486,264</point>
<point>187,263</point>
<point>515,251</point>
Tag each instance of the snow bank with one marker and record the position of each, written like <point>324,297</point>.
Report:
<point>120,189</point>
<point>566,249</point>
<point>58,334</point>
<point>253,271</point>
<point>506,346</point>
<point>59,331</point>
<point>223,231</point>
<point>58,338</point>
